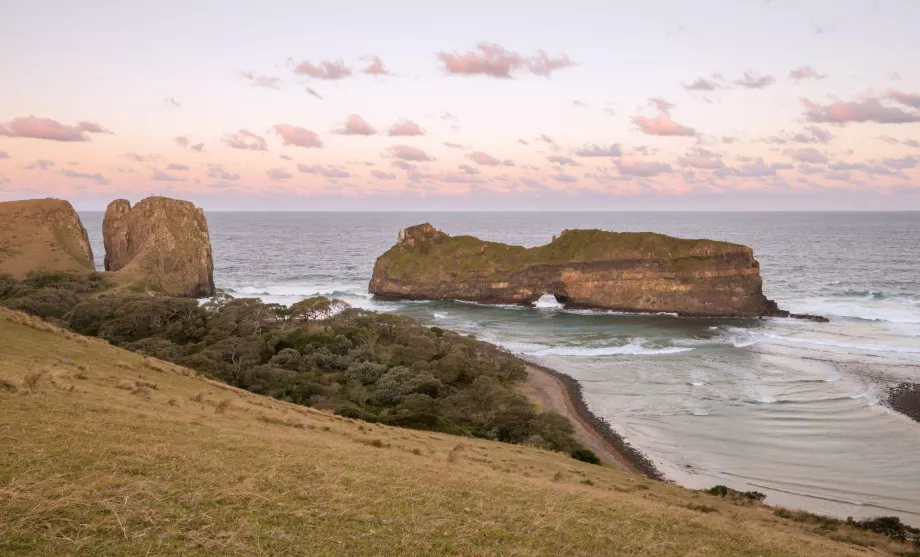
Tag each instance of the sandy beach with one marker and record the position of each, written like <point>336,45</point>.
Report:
<point>556,392</point>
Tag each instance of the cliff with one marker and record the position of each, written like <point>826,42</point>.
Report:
<point>622,271</point>
<point>160,243</point>
<point>42,234</point>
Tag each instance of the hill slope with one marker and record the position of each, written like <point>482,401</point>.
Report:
<point>106,452</point>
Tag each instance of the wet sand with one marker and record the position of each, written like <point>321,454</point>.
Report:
<point>559,393</point>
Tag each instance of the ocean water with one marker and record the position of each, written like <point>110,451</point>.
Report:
<point>791,408</point>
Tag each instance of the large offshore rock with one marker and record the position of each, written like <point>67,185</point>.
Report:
<point>161,244</point>
<point>622,271</point>
<point>42,235</point>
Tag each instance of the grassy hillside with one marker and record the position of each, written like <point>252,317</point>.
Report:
<point>106,452</point>
<point>435,255</point>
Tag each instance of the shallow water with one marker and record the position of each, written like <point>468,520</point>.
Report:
<point>790,408</point>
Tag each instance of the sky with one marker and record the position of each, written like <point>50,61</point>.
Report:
<point>473,105</point>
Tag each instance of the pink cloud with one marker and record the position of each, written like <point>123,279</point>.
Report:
<point>46,128</point>
<point>163,176</point>
<point>751,81</point>
<point>408,153</point>
<point>266,81</point>
<point>486,159</point>
<point>91,127</point>
<point>94,177</point>
<point>868,110</point>
<point>805,72</point>
<point>4,155</point>
<point>661,125</point>
<point>218,172</point>
<point>613,150</point>
<point>175,166</point>
<point>406,127</point>
<point>631,166</point>
<point>181,141</point>
<point>807,154</point>
<point>561,160</point>
<point>376,67</point>
<point>544,65</point>
<point>381,175</point>
<point>661,104</point>
<point>40,164</point>
<point>324,171</point>
<point>702,84</point>
<point>701,159</point>
<point>469,169</point>
<point>197,147</point>
<point>494,60</point>
<point>326,69</point>
<point>909,99</point>
<point>245,139</point>
<point>356,125</point>
<point>277,174</point>
<point>297,136</point>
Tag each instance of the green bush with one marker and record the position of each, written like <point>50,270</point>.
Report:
<point>585,455</point>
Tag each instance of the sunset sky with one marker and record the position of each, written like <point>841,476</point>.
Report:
<point>663,104</point>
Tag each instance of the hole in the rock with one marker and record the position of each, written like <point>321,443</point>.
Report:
<point>548,301</point>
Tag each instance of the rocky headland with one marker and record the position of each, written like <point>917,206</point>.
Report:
<point>619,271</point>
<point>160,243</point>
<point>42,235</point>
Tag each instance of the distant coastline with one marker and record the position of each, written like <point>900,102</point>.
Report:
<point>635,459</point>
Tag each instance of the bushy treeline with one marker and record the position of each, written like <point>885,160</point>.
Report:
<point>319,352</point>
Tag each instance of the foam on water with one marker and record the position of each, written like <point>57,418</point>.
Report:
<point>635,346</point>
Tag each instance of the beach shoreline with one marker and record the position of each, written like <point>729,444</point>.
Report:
<point>560,393</point>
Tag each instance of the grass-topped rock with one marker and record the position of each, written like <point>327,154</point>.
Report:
<point>622,271</point>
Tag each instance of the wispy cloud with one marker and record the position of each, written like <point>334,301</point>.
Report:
<point>257,80</point>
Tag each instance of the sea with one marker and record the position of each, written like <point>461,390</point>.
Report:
<point>794,409</point>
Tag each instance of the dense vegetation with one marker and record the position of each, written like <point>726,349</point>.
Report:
<point>432,254</point>
<point>319,352</point>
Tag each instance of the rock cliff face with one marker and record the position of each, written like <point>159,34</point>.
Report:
<point>622,271</point>
<point>160,243</point>
<point>42,234</point>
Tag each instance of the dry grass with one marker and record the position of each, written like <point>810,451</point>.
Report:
<point>102,471</point>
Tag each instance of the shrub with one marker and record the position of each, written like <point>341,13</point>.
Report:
<point>585,455</point>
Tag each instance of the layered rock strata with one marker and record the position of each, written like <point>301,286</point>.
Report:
<point>620,271</point>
